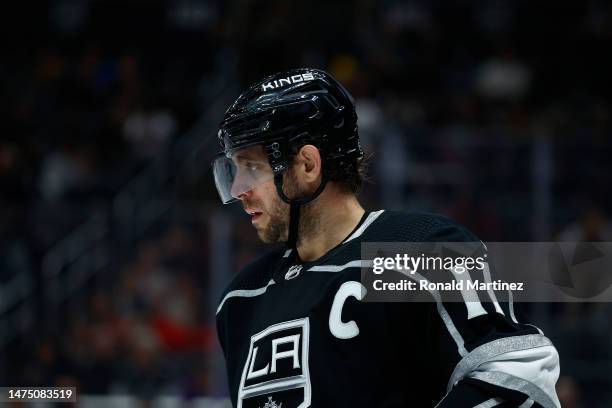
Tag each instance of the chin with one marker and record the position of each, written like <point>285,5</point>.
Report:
<point>265,239</point>
<point>261,233</point>
<point>269,238</point>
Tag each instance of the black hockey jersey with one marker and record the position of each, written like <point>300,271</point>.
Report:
<point>297,335</point>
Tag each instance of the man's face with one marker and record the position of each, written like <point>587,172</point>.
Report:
<point>269,214</point>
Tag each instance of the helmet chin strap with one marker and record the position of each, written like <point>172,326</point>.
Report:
<point>294,207</point>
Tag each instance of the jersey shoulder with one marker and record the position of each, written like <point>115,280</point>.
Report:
<point>400,226</point>
<point>256,274</point>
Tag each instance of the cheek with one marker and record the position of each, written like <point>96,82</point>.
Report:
<point>266,195</point>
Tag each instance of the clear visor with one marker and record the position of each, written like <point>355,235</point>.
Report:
<point>236,175</point>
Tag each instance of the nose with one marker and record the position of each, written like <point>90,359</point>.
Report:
<point>239,186</point>
<point>244,194</point>
<point>240,189</point>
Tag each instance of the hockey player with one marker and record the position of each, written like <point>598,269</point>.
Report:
<point>292,325</point>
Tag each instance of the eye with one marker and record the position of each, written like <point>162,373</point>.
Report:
<point>254,168</point>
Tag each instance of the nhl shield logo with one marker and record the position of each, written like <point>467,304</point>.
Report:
<point>275,373</point>
<point>293,272</point>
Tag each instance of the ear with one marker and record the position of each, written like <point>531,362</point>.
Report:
<point>308,161</point>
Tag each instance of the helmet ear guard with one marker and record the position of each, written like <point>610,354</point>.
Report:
<point>277,153</point>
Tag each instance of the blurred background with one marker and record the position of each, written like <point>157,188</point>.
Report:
<point>114,246</point>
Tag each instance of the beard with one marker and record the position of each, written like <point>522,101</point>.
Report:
<point>277,228</point>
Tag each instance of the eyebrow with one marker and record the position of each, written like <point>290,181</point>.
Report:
<point>247,157</point>
<point>242,157</point>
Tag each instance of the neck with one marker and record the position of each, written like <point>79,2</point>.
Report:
<point>337,214</point>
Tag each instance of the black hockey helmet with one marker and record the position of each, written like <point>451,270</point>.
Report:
<point>306,105</point>
<point>292,107</point>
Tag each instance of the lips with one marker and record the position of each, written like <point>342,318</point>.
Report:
<point>253,213</point>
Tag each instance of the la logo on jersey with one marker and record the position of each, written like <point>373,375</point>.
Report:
<point>277,367</point>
